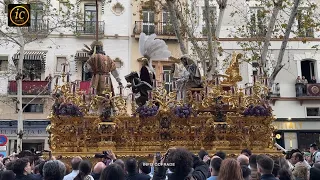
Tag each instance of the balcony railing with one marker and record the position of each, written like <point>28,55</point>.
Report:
<point>30,88</point>
<point>89,27</point>
<point>311,90</point>
<point>159,28</point>
<point>37,26</point>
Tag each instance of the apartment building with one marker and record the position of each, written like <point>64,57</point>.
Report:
<point>48,56</point>
<point>297,112</point>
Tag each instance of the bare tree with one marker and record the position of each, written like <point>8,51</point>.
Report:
<point>56,20</point>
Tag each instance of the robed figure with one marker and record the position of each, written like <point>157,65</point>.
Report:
<point>190,65</point>
<point>101,66</point>
<point>180,78</point>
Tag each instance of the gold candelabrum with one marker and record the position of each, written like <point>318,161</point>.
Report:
<point>215,117</point>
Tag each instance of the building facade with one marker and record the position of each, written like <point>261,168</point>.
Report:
<point>297,113</point>
<point>50,54</point>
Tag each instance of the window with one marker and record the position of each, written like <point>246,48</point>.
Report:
<point>148,22</point>
<point>304,19</point>
<point>60,62</point>
<point>3,63</point>
<point>89,18</point>
<point>257,21</point>
<point>313,111</point>
<point>86,76</point>
<point>34,108</point>
<point>166,25</point>
<point>212,19</point>
<point>36,16</point>
<point>167,75</point>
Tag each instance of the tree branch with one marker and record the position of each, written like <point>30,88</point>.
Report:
<point>10,37</point>
<point>209,37</point>
<point>279,64</point>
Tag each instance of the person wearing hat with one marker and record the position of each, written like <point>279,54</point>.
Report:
<point>101,66</point>
<point>315,154</point>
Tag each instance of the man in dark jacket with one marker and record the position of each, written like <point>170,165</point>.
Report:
<point>22,169</point>
<point>131,168</point>
<point>315,172</point>
<point>265,167</point>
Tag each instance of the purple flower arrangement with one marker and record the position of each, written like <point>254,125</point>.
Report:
<point>183,111</point>
<point>67,110</point>
<point>256,111</point>
<point>147,111</point>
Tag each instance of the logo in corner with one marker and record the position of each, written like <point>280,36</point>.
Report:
<point>19,15</point>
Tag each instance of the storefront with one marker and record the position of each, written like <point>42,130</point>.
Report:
<point>35,136</point>
<point>297,133</point>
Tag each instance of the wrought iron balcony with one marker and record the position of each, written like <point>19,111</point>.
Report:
<point>37,27</point>
<point>89,28</point>
<point>30,88</point>
<point>307,90</point>
<point>159,28</point>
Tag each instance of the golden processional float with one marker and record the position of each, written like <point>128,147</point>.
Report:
<point>219,116</point>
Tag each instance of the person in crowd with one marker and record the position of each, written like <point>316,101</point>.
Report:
<point>97,170</point>
<point>265,166</point>
<point>39,176</point>
<point>144,169</point>
<point>54,170</point>
<point>298,160</point>
<point>215,164</point>
<point>221,154</point>
<point>315,154</point>
<point>230,170</point>
<point>75,162</point>
<point>243,160</point>
<point>204,156</point>
<point>254,175</point>
<point>246,152</point>
<point>84,171</point>
<point>245,172</point>
<point>5,160</point>
<point>315,172</point>
<point>276,169</point>
<point>300,172</point>
<point>285,174</point>
<point>113,172</point>
<point>313,80</point>
<point>2,167</point>
<point>120,162</point>
<point>49,79</point>
<point>304,80</point>
<point>22,169</point>
<point>298,80</point>
<point>131,168</point>
<point>9,165</point>
<point>7,175</point>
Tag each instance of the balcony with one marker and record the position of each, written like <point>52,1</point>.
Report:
<point>30,88</point>
<point>37,27</point>
<point>163,30</point>
<point>88,28</point>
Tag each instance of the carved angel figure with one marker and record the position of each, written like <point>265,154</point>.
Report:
<point>101,66</point>
<point>180,77</point>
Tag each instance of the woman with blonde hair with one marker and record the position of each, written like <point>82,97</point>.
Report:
<point>230,170</point>
<point>300,172</point>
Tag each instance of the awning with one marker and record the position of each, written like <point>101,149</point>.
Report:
<point>81,56</point>
<point>32,59</point>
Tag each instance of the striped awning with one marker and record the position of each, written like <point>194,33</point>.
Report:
<point>32,58</point>
<point>81,56</point>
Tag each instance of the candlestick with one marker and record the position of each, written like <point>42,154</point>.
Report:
<point>68,77</point>
<point>64,68</point>
<point>57,80</point>
<point>74,88</point>
<point>254,79</point>
<point>120,90</point>
<point>163,78</point>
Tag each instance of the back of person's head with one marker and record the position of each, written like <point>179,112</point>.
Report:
<point>183,162</point>
<point>264,164</point>
<point>276,169</point>
<point>245,171</point>
<point>230,169</point>
<point>246,152</point>
<point>19,165</point>
<point>75,162</point>
<point>99,167</point>
<point>301,172</point>
<point>202,153</point>
<point>120,162</point>
<point>283,163</point>
<point>215,164</point>
<point>36,170</point>
<point>9,165</point>
<point>7,175</point>
<point>113,172</point>
<point>253,161</point>
<point>243,160</point>
<point>221,154</point>
<point>84,170</point>
<point>144,167</point>
<point>41,168</point>
<point>285,174</point>
<point>54,170</point>
<point>131,165</point>
<point>299,156</point>
<point>4,160</point>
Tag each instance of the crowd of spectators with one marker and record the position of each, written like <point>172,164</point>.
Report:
<point>175,164</point>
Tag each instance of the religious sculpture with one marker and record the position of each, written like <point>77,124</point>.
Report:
<point>233,71</point>
<point>151,49</point>
<point>101,66</point>
<point>180,77</point>
<point>192,68</point>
